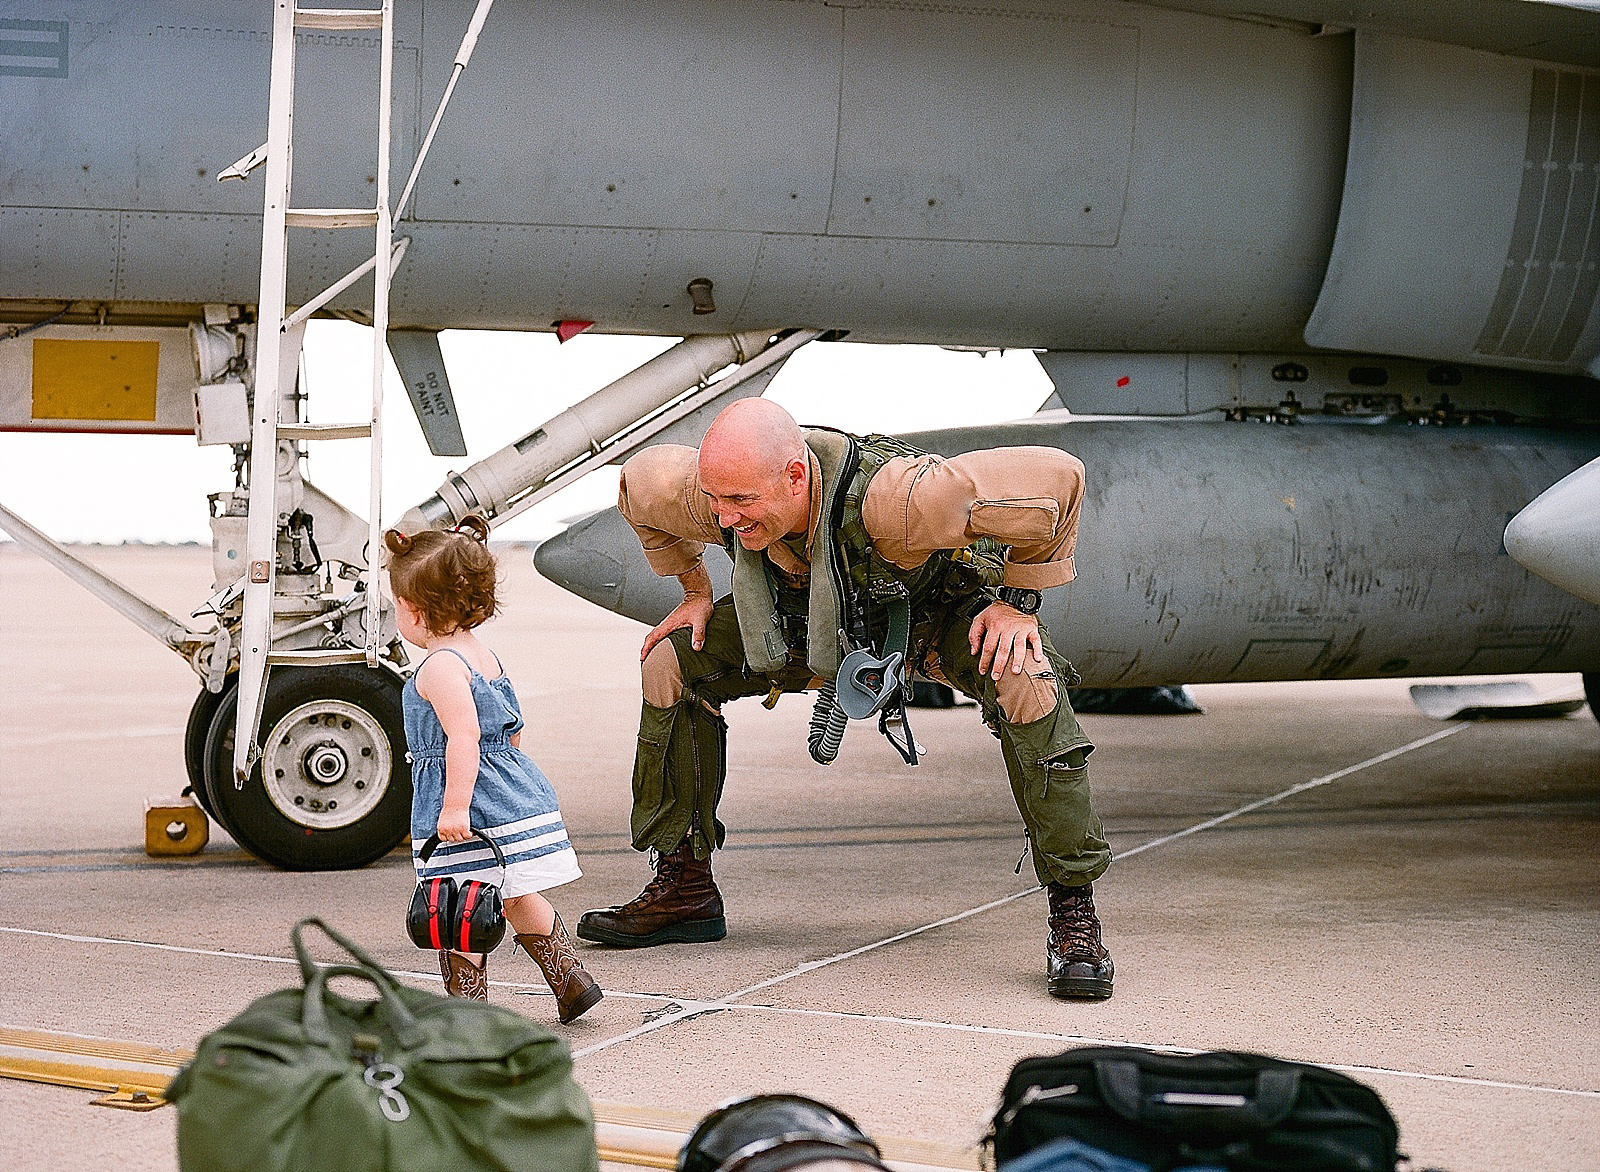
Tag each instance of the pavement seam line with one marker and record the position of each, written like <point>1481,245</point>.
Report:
<point>1301,788</point>
<point>813,965</point>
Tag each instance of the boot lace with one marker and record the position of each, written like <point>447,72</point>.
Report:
<point>1074,927</point>
<point>669,869</point>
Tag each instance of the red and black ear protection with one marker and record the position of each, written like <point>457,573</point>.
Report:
<point>465,915</point>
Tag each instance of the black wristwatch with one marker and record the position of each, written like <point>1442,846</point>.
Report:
<point>1027,601</point>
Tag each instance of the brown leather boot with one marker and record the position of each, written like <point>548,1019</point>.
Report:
<point>1077,964</point>
<point>681,905</point>
<point>462,978</point>
<point>576,991</point>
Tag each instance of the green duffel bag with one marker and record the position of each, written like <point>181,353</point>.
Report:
<point>305,1080</point>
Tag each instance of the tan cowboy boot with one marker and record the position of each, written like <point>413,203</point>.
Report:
<point>575,990</point>
<point>462,978</point>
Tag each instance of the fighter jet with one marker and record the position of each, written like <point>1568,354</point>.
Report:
<point>1329,270</point>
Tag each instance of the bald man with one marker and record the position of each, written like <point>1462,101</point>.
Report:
<point>826,531</point>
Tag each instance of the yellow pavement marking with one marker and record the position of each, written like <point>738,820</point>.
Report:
<point>627,1136</point>
<point>98,1064</point>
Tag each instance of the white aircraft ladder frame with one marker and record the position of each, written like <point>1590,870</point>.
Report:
<point>277,350</point>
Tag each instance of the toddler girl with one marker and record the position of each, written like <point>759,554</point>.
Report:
<point>463,728</point>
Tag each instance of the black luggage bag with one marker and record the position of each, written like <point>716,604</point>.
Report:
<point>1243,1112</point>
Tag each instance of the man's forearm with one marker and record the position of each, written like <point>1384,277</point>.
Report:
<point>696,582</point>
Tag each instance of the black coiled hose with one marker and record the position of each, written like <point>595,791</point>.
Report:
<point>828,723</point>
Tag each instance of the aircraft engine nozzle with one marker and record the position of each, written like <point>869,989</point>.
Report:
<point>1557,536</point>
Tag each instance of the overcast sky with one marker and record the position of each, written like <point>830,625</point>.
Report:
<point>109,488</point>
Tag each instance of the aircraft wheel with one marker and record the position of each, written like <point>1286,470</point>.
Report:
<point>332,790</point>
<point>1591,689</point>
<point>201,714</point>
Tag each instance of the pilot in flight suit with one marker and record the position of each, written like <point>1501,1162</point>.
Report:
<point>897,522</point>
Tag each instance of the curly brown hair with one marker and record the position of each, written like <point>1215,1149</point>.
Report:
<point>448,575</point>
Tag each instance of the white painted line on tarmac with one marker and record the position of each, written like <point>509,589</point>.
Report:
<point>812,965</point>
<point>1295,789</point>
<point>727,1001</point>
<point>151,944</point>
<point>690,1008</point>
<point>1086,1040</point>
<point>514,986</point>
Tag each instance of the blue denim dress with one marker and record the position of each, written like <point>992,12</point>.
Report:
<point>512,802</point>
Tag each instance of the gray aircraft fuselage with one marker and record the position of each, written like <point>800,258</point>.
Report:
<point>1072,176</point>
<point>1169,201</point>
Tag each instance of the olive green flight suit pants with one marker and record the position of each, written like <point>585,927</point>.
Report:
<point>681,762</point>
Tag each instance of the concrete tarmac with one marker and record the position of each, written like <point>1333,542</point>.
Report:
<point>1314,871</point>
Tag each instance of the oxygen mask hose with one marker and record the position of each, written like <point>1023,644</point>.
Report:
<point>828,723</point>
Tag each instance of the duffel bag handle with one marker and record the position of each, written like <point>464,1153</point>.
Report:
<point>1122,1086</point>
<point>432,845</point>
<point>314,1009</point>
<point>309,967</point>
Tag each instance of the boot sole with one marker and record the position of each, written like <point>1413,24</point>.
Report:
<point>692,932</point>
<point>1080,988</point>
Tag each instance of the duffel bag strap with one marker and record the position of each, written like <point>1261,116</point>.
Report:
<point>314,1009</point>
<point>308,967</point>
<point>1122,1086</point>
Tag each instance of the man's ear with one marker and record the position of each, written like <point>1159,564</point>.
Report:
<point>795,475</point>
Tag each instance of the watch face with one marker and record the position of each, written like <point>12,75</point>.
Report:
<point>1027,601</point>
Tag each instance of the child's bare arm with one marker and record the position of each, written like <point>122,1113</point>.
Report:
<point>445,682</point>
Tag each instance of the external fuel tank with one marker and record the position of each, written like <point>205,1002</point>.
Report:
<point>1213,552</point>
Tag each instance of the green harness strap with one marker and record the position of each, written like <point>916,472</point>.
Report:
<point>854,590</point>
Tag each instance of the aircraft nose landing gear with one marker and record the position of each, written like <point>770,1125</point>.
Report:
<point>327,763</point>
<point>332,789</point>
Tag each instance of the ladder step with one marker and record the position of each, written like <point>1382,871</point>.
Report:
<point>338,18</point>
<point>317,657</point>
<point>330,217</point>
<point>324,431</point>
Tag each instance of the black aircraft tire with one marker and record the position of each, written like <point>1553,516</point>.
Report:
<point>201,714</point>
<point>1591,689</point>
<point>329,735</point>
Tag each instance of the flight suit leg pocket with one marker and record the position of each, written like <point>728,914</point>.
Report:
<point>653,797</point>
<point>1048,764</point>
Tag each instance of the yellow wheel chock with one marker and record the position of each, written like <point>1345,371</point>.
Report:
<point>175,826</point>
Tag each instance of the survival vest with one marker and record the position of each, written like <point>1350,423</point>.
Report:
<point>853,587</point>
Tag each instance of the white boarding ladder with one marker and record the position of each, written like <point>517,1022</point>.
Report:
<point>277,351</point>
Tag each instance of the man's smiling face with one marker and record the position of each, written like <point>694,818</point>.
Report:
<point>759,508</point>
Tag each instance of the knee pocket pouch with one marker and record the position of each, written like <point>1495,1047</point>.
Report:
<point>652,799</point>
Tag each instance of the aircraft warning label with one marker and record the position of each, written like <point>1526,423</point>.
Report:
<point>81,379</point>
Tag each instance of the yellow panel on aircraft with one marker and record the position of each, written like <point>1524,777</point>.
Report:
<point>80,379</point>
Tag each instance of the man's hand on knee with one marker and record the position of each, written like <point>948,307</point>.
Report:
<point>693,613</point>
<point>1003,636</point>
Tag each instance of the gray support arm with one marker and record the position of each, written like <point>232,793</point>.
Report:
<point>145,615</point>
<point>495,485</point>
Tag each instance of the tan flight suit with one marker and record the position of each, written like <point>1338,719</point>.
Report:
<point>1027,498</point>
